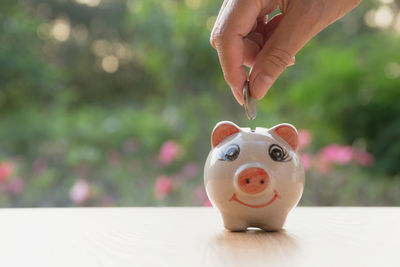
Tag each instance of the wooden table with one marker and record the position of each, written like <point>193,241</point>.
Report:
<point>195,237</point>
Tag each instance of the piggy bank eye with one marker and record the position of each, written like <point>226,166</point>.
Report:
<point>277,153</point>
<point>231,153</point>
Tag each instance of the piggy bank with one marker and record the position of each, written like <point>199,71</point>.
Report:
<point>254,177</point>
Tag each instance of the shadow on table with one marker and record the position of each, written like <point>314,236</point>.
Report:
<point>255,247</point>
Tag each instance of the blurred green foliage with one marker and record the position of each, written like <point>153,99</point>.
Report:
<point>90,90</point>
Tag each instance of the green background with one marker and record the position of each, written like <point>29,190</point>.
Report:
<point>91,90</point>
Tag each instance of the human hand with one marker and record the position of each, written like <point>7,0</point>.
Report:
<point>242,35</point>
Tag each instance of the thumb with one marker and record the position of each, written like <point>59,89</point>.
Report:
<point>298,25</point>
<point>268,65</point>
<point>301,21</point>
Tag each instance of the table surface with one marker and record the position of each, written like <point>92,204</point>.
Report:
<point>196,237</point>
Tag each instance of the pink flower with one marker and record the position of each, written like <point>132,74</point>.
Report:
<point>324,167</point>
<point>6,170</point>
<point>305,138</point>
<point>334,154</point>
<point>80,191</point>
<point>364,158</point>
<point>199,195</point>
<point>337,154</point>
<point>306,159</point>
<point>190,170</point>
<point>16,186</point>
<point>162,187</point>
<point>168,152</point>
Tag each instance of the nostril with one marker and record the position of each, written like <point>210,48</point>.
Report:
<point>253,180</point>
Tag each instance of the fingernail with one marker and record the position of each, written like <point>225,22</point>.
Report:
<point>261,85</point>
<point>237,95</point>
<point>292,61</point>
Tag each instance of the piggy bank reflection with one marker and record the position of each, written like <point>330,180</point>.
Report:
<point>254,177</point>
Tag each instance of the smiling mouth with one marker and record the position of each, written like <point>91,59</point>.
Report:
<point>235,198</point>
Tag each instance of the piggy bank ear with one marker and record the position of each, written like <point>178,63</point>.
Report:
<point>222,130</point>
<point>288,133</point>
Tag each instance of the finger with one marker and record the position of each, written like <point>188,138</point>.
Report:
<point>261,23</point>
<point>285,35</point>
<point>238,94</point>
<point>301,21</point>
<point>254,41</point>
<point>251,49</point>
<point>255,25</point>
<point>292,61</point>
<point>269,27</point>
<point>221,10</point>
<point>235,22</point>
<point>231,59</point>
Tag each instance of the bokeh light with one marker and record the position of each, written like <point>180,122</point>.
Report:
<point>61,29</point>
<point>194,4</point>
<point>386,1</point>
<point>392,70</point>
<point>379,18</point>
<point>110,63</point>
<point>91,3</point>
<point>80,33</point>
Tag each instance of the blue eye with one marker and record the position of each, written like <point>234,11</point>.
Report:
<point>231,153</point>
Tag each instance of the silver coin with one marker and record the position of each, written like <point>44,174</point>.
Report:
<point>250,103</point>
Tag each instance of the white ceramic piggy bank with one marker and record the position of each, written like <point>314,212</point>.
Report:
<point>254,177</point>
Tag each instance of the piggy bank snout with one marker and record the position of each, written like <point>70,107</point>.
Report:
<point>252,180</point>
